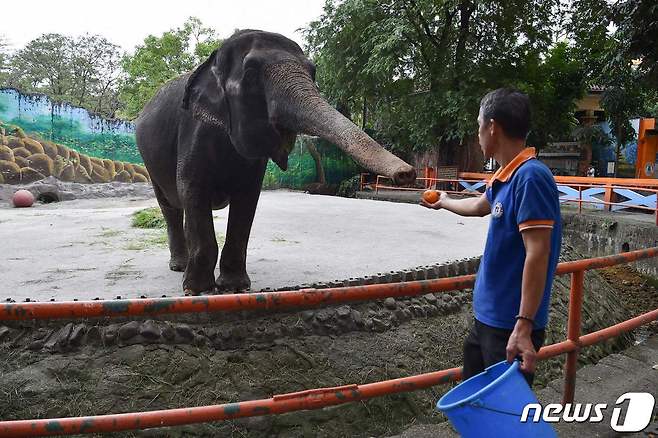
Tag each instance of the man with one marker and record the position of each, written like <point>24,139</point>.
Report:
<point>512,290</point>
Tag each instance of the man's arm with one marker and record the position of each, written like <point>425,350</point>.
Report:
<point>475,206</point>
<point>537,243</point>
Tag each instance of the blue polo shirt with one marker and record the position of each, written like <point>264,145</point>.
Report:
<point>522,195</point>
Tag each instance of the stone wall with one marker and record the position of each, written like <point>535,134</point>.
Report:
<point>597,235</point>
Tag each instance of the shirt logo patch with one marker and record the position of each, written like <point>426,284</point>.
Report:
<point>497,210</point>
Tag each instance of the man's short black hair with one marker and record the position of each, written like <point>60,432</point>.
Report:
<point>510,109</point>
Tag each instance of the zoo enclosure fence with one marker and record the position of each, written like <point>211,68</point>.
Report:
<point>612,194</point>
<point>312,398</point>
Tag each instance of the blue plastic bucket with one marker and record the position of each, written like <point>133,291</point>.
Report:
<point>491,403</point>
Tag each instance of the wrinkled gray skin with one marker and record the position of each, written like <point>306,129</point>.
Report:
<point>206,136</point>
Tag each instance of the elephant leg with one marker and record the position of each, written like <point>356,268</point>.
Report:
<point>233,263</point>
<point>177,245</point>
<point>201,244</point>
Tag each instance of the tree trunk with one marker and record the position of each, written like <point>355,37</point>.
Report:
<point>617,152</point>
<point>319,170</point>
<point>448,153</point>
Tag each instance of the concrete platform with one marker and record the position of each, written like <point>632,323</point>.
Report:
<point>634,370</point>
<point>86,248</point>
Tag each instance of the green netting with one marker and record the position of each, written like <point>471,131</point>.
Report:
<point>337,166</point>
<point>115,146</point>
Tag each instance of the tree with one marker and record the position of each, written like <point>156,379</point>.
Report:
<point>4,59</point>
<point>637,27</point>
<point>554,84</point>
<point>95,70</point>
<point>416,69</point>
<point>587,28</point>
<point>82,71</point>
<point>623,97</point>
<point>162,58</point>
<point>44,65</point>
<point>622,61</point>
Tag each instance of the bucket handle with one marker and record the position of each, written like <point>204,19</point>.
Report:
<point>478,404</point>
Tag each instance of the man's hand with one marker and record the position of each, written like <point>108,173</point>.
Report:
<point>471,206</point>
<point>437,205</point>
<point>520,344</point>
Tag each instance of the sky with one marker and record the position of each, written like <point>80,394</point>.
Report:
<point>128,22</point>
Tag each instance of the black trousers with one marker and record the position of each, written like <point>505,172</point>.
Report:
<point>485,346</point>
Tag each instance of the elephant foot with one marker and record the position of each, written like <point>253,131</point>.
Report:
<point>195,286</point>
<point>211,291</point>
<point>233,282</point>
<point>178,264</point>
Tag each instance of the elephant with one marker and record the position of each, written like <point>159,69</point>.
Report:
<point>206,136</point>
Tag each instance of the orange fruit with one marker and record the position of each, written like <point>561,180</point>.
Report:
<point>431,196</point>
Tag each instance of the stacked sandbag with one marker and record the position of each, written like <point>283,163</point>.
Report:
<point>24,159</point>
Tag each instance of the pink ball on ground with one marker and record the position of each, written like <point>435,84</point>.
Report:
<point>23,198</point>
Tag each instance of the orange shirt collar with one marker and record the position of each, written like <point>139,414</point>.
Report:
<point>503,174</point>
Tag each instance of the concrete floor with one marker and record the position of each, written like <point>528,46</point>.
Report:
<point>86,248</point>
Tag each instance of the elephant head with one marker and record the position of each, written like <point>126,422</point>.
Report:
<point>260,88</point>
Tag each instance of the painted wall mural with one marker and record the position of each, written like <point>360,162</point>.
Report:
<point>301,172</point>
<point>71,126</point>
<point>46,122</point>
<point>602,154</point>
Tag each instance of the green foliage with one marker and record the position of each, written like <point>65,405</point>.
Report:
<point>348,188</point>
<point>301,167</point>
<point>161,58</point>
<point>148,218</point>
<point>152,238</point>
<point>637,27</point>
<point>4,59</point>
<point>269,180</point>
<point>622,62</point>
<point>82,71</point>
<point>414,72</point>
<point>587,27</point>
<point>554,84</point>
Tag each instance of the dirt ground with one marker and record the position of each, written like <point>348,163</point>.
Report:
<point>639,292</point>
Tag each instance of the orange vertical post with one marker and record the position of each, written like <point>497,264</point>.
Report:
<point>647,147</point>
<point>573,334</point>
<point>430,174</point>
<point>608,197</point>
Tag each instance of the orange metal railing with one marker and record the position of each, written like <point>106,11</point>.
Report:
<point>313,398</point>
<point>609,185</point>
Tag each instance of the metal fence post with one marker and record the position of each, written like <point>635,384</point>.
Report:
<point>573,334</point>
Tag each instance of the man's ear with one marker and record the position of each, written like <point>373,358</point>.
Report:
<point>205,95</point>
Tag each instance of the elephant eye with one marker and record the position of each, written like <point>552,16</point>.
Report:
<point>250,75</point>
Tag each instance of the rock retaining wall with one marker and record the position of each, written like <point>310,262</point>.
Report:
<point>597,235</point>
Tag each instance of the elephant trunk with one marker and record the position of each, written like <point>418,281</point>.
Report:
<point>296,104</point>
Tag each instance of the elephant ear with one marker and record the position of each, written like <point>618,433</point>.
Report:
<point>205,95</point>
